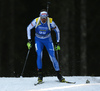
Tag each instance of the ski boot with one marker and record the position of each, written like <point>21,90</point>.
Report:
<point>59,76</point>
<point>40,77</point>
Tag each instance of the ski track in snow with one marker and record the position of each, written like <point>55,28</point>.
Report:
<point>50,84</point>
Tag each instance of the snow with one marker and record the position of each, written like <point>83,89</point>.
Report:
<point>50,84</point>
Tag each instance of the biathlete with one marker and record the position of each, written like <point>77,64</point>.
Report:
<point>43,26</point>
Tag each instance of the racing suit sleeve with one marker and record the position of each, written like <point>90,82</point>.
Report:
<point>56,29</point>
<point>29,27</point>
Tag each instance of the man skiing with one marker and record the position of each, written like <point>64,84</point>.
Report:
<point>43,26</point>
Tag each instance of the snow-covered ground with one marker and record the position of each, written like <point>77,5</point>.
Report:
<point>51,84</point>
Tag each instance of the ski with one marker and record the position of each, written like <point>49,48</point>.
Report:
<point>69,82</point>
<point>38,83</point>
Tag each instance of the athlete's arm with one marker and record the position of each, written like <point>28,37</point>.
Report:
<point>29,27</point>
<point>56,29</point>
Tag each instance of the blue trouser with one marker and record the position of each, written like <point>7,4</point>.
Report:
<point>39,45</point>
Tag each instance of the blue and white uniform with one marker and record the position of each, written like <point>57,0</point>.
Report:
<point>43,38</point>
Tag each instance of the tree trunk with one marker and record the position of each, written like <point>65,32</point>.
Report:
<point>83,38</point>
<point>1,16</point>
<point>11,39</point>
<point>72,39</point>
<point>64,44</point>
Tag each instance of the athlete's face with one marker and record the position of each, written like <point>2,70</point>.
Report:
<point>43,19</point>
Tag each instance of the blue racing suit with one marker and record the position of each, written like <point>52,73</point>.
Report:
<point>43,38</point>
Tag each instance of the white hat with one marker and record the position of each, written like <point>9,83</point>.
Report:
<point>43,14</point>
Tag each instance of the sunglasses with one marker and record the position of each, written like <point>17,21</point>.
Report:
<point>43,17</point>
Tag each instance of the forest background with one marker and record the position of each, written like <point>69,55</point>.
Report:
<point>78,21</point>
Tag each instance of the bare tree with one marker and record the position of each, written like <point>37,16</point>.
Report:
<point>2,36</point>
<point>1,14</point>
<point>83,38</point>
<point>11,39</point>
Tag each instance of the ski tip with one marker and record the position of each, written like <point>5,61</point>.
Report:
<point>70,82</point>
<point>38,83</point>
<point>35,84</point>
<point>74,82</point>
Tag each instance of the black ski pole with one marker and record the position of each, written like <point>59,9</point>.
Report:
<point>25,62</point>
<point>57,55</point>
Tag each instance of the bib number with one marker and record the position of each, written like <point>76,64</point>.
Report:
<point>42,32</point>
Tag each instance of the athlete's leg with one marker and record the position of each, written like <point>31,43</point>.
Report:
<point>39,48</point>
<point>50,48</point>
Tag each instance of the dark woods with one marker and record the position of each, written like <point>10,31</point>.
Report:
<point>78,21</point>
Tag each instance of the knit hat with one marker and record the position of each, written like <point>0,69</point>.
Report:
<point>43,14</point>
